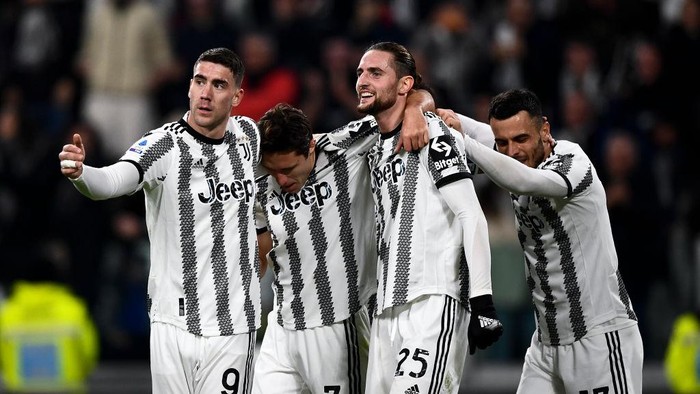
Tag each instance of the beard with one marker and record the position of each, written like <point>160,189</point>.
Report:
<point>377,106</point>
<point>538,156</point>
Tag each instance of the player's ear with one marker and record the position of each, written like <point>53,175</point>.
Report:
<point>405,85</point>
<point>237,97</point>
<point>312,145</point>
<point>546,133</point>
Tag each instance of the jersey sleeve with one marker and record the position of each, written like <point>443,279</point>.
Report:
<point>461,197</point>
<point>151,155</point>
<point>573,165</point>
<point>355,138</point>
<point>444,155</point>
<point>102,183</point>
<point>477,130</point>
<point>514,176</point>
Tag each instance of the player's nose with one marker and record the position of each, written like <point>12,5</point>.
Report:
<point>281,179</point>
<point>512,149</point>
<point>205,91</point>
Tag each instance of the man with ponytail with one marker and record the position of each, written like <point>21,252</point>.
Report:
<point>434,258</point>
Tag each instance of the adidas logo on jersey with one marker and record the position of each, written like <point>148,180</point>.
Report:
<point>486,321</point>
<point>412,390</point>
<point>199,164</point>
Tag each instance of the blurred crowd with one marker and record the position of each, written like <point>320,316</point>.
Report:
<point>619,77</point>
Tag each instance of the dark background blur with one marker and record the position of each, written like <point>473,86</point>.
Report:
<point>619,77</point>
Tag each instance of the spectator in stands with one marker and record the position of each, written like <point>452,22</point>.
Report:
<point>125,56</point>
<point>339,58</point>
<point>296,27</point>
<point>370,23</point>
<point>37,55</point>
<point>681,51</point>
<point>266,83</point>
<point>24,183</point>
<point>198,26</point>
<point>580,73</point>
<point>580,123</point>
<point>634,209</point>
<point>509,46</point>
<point>455,57</point>
<point>646,90</point>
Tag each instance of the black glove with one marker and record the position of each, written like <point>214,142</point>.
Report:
<point>484,326</point>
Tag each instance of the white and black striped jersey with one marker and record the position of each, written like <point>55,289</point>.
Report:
<point>323,245</point>
<point>204,275</point>
<point>570,258</point>
<point>419,239</point>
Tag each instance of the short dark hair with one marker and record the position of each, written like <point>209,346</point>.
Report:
<point>510,102</point>
<point>226,58</point>
<point>404,63</point>
<point>284,128</point>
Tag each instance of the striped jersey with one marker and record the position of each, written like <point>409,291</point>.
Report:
<point>323,245</point>
<point>204,276</point>
<point>419,239</point>
<point>570,258</point>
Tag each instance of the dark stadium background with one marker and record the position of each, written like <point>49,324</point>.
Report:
<point>619,77</point>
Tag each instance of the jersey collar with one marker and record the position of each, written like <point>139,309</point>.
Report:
<point>200,137</point>
<point>392,133</point>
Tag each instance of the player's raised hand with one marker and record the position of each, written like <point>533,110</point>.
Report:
<point>484,326</point>
<point>450,118</point>
<point>72,157</point>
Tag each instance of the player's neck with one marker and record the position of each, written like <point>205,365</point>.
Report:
<point>215,133</point>
<point>390,118</point>
<point>548,150</point>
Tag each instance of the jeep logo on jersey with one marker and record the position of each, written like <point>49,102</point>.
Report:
<point>529,221</point>
<point>308,195</point>
<point>389,172</point>
<point>442,153</point>
<point>222,192</point>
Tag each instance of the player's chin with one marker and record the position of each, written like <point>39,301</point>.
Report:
<point>364,107</point>
<point>290,189</point>
<point>523,160</point>
<point>201,119</point>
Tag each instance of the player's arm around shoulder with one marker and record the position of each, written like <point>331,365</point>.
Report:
<point>414,130</point>
<point>468,127</point>
<point>353,139</point>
